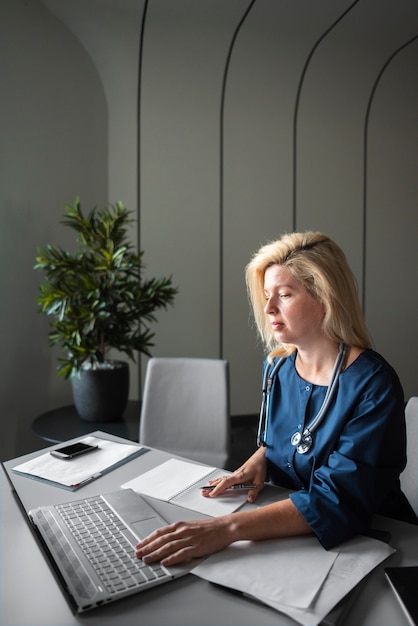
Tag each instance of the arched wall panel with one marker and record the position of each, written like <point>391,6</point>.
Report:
<point>391,297</point>
<point>330,167</point>
<point>253,121</point>
<point>266,68</point>
<point>184,53</point>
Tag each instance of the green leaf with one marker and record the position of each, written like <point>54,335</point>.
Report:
<point>96,296</point>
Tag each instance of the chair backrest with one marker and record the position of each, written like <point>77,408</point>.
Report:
<point>185,408</point>
<point>409,477</point>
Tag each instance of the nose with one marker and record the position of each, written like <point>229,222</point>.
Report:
<point>271,306</point>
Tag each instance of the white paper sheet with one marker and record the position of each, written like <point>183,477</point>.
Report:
<point>295,576</point>
<point>80,470</point>
<point>283,570</point>
<point>180,482</point>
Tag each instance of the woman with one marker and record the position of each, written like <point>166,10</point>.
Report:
<point>341,456</point>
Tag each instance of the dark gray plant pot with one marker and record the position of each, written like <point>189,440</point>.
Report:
<point>101,395</point>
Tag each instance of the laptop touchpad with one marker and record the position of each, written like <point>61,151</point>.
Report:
<point>146,527</point>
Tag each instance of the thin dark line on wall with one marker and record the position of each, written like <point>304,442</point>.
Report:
<point>138,193</point>
<point>365,157</point>
<point>139,102</point>
<point>221,177</point>
<point>297,103</point>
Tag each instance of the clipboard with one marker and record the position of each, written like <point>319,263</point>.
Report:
<point>75,473</point>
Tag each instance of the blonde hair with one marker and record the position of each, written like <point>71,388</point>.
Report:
<point>320,265</point>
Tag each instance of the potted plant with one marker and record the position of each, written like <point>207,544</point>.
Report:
<point>98,300</point>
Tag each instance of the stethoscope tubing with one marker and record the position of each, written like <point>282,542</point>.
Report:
<point>268,376</point>
<point>302,441</point>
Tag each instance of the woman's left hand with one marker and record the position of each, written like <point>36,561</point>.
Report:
<point>183,541</point>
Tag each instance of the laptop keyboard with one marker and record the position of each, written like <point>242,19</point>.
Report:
<point>108,545</point>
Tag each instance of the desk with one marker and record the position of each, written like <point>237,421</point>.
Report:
<point>64,423</point>
<point>29,594</point>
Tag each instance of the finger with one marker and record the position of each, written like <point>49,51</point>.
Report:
<point>155,535</point>
<point>150,551</point>
<point>172,551</point>
<point>154,554</point>
<point>253,493</point>
<point>182,557</point>
<point>221,484</point>
<point>226,483</point>
<point>212,484</point>
<point>160,537</point>
<point>218,480</point>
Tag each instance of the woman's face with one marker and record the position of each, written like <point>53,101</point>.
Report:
<point>295,316</point>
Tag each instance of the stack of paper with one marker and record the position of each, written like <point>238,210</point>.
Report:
<point>75,473</point>
<point>296,575</point>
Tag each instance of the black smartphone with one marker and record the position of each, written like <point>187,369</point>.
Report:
<point>73,450</point>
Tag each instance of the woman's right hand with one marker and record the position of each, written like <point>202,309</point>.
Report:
<point>253,471</point>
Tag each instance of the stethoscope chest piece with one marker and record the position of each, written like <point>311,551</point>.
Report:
<point>295,439</point>
<point>302,442</point>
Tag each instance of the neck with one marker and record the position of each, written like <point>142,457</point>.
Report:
<point>316,366</point>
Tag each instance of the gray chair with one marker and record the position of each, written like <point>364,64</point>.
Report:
<point>409,477</point>
<point>185,408</point>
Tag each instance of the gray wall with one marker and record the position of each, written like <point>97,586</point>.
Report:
<point>254,118</point>
<point>263,117</point>
<point>54,144</point>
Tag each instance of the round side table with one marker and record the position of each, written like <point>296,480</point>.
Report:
<point>64,423</point>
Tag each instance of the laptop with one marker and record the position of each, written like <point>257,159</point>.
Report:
<point>404,583</point>
<point>90,543</point>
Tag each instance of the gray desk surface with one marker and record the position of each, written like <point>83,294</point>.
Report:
<point>64,423</point>
<point>30,595</point>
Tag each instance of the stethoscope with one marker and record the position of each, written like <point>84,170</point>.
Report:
<point>301,440</point>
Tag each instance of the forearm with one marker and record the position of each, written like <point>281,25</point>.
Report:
<point>281,519</point>
<point>183,541</point>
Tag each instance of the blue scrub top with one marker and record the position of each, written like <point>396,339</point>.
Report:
<point>359,449</point>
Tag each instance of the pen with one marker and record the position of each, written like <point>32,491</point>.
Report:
<point>241,486</point>
<point>87,480</point>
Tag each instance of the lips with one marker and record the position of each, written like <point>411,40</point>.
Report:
<point>277,325</point>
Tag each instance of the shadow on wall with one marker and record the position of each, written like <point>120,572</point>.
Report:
<point>54,147</point>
